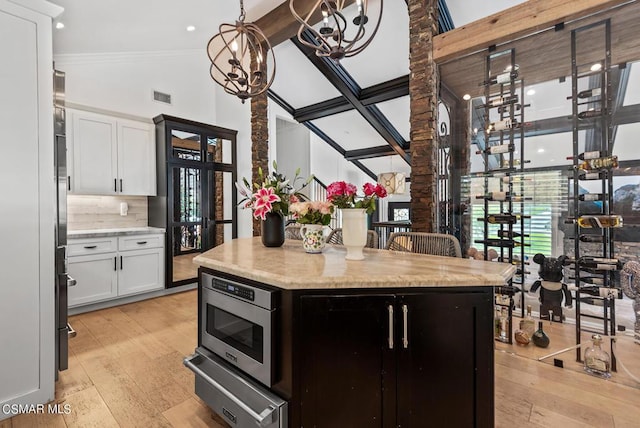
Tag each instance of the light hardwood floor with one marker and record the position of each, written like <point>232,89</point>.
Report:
<point>126,370</point>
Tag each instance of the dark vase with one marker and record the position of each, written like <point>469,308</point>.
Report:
<point>272,230</point>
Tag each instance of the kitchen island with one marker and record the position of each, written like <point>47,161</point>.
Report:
<point>397,339</point>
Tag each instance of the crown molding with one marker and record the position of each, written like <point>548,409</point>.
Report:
<point>126,57</point>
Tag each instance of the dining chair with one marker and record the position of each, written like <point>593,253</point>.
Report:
<point>335,237</point>
<point>292,231</point>
<point>438,244</point>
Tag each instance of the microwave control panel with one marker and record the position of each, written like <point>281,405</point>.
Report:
<point>234,289</point>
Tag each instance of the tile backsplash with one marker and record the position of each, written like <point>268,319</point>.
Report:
<point>103,212</point>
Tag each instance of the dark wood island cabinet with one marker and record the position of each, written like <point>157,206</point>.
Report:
<point>396,340</point>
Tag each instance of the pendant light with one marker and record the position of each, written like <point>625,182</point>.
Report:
<point>393,182</point>
<point>231,52</point>
<point>336,35</point>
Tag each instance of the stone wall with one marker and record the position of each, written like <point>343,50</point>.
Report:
<point>423,91</point>
<point>259,142</point>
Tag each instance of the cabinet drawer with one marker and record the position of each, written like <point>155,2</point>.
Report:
<point>139,242</point>
<point>83,247</point>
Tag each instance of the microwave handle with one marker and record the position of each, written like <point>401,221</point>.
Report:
<point>262,419</point>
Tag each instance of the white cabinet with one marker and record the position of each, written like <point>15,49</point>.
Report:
<point>110,267</point>
<point>109,155</point>
<point>96,278</point>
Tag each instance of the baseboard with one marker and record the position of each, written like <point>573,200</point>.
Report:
<point>131,299</point>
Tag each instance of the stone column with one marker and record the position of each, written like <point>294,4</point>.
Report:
<point>423,92</point>
<point>259,141</point>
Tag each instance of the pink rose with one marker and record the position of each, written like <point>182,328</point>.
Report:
<point>293,199</point>
<point>369,189</point>
<point>337,188</point>
<point>380,191</point>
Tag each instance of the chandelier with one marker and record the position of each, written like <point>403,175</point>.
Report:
<point>239,55</point>
<point>335,37</point>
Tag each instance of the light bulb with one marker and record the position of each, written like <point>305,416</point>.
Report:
<point>234,46</point>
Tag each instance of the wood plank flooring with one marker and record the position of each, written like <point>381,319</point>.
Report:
<point>126,371</point>
<point>183,267</point>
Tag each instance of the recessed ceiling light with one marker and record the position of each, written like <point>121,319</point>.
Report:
<point>531,92</point>
<point>466,97</point>
<point>59,25</point>
<point>191,28</point>
<point>540,150</point>
<point>595,67</point>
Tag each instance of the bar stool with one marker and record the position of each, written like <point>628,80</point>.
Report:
<point>438,244</point>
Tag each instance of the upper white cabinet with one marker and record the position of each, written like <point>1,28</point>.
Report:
<point>109,155</point>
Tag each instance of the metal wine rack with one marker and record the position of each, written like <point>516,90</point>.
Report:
<point>591,86</point>
<point>504,119</point>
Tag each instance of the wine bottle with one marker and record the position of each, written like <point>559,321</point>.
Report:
<point>591,197</point>
<point>505,77</point>
<point>591,238</point>
<point>601,175</point>
<point>502,197</point>
<point>597,221</point>
<point>589,114</point>
<point>514,179</point>
<point>501,101</point>
<point>501,125</point>
<point>540,338</point>
<point>500,148</point>
<point>504,243</point>
<point>516,162</point>
<point>595,280</point>
<point>601,291</point>
<point>599,263</point>
<point>503,218</point>
<point>505,109</point>
<point>510,234</point>
<point>589,155</point>
<point>593,92</point>
<point>599,163</point>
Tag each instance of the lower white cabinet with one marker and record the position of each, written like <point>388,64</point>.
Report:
<point>137,266</point>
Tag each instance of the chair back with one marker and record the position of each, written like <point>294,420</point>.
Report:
<point>335,237</point>
<point>292,231</point>
<point>438,244</point>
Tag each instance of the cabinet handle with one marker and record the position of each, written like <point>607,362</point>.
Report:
<point>390,309</point>
<point>115,263</point>
<point>115,184</point>
<point>405,335</point>
<point>120,262</point>
<point>68,183</point>
<point>121,184</point>
<point>90,247</point>
<point>141,242</point>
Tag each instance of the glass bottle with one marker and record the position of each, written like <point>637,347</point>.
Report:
<point>540,338</point>
<point>504,325</point>
<point>527,324</point>
<point>596,361</point>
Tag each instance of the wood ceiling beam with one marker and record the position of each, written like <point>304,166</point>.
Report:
<point>280,25</point>
<point>510,24</point>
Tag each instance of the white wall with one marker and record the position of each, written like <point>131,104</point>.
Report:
<point>233,114</point>
<point>125,83</point>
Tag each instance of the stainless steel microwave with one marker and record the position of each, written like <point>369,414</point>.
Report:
<point>238,324</point>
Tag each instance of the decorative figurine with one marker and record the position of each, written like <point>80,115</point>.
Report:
<point>630,284</point>
<point>552,289</point>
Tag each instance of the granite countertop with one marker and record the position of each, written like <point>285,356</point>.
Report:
<point>289,267</point>
<point>101,233</point>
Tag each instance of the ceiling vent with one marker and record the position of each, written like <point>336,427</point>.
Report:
<point>162,97</point>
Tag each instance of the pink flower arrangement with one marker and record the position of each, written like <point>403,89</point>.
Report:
<point>273,193</point>
<point>344,195</point>
<point>314,212</point>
